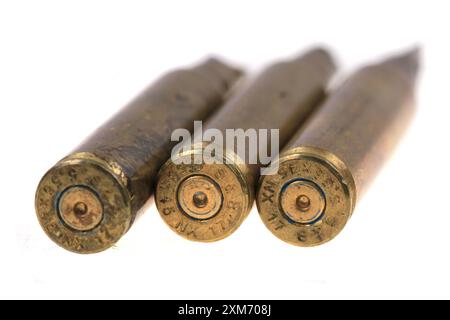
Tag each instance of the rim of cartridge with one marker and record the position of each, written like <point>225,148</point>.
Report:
<point>104,181</point>
<point>230,179</point>
<point>316,178</point>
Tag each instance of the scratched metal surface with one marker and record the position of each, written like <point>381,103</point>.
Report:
<point>119,161</point>
<point>281,97</point>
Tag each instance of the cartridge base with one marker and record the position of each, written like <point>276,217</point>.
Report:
<point>203,202</point>
<point>311,198</point>
<point>83,205</point>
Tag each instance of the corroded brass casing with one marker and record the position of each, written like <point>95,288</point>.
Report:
<point>331,160</point>
<point>208,201</point>
<point>89,199</point>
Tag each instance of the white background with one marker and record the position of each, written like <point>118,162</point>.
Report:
<point>66,66</point>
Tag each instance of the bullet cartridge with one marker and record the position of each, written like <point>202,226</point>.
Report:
<point>208,201</point>
<point>330,161</point>
<point>90,198</point>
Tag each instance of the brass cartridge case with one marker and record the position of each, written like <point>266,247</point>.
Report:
<point>329,163</point>
<point>208,201</point>
<point>90,198</point>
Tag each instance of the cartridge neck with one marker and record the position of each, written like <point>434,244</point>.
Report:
<point>226,74</point>
<point>320,62</point>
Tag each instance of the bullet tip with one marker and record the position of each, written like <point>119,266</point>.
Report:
<point>407,62</point>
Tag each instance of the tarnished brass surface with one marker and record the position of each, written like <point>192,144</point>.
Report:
<point>339,151</point>
<point>89,199</point>
<point>280,98</point>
